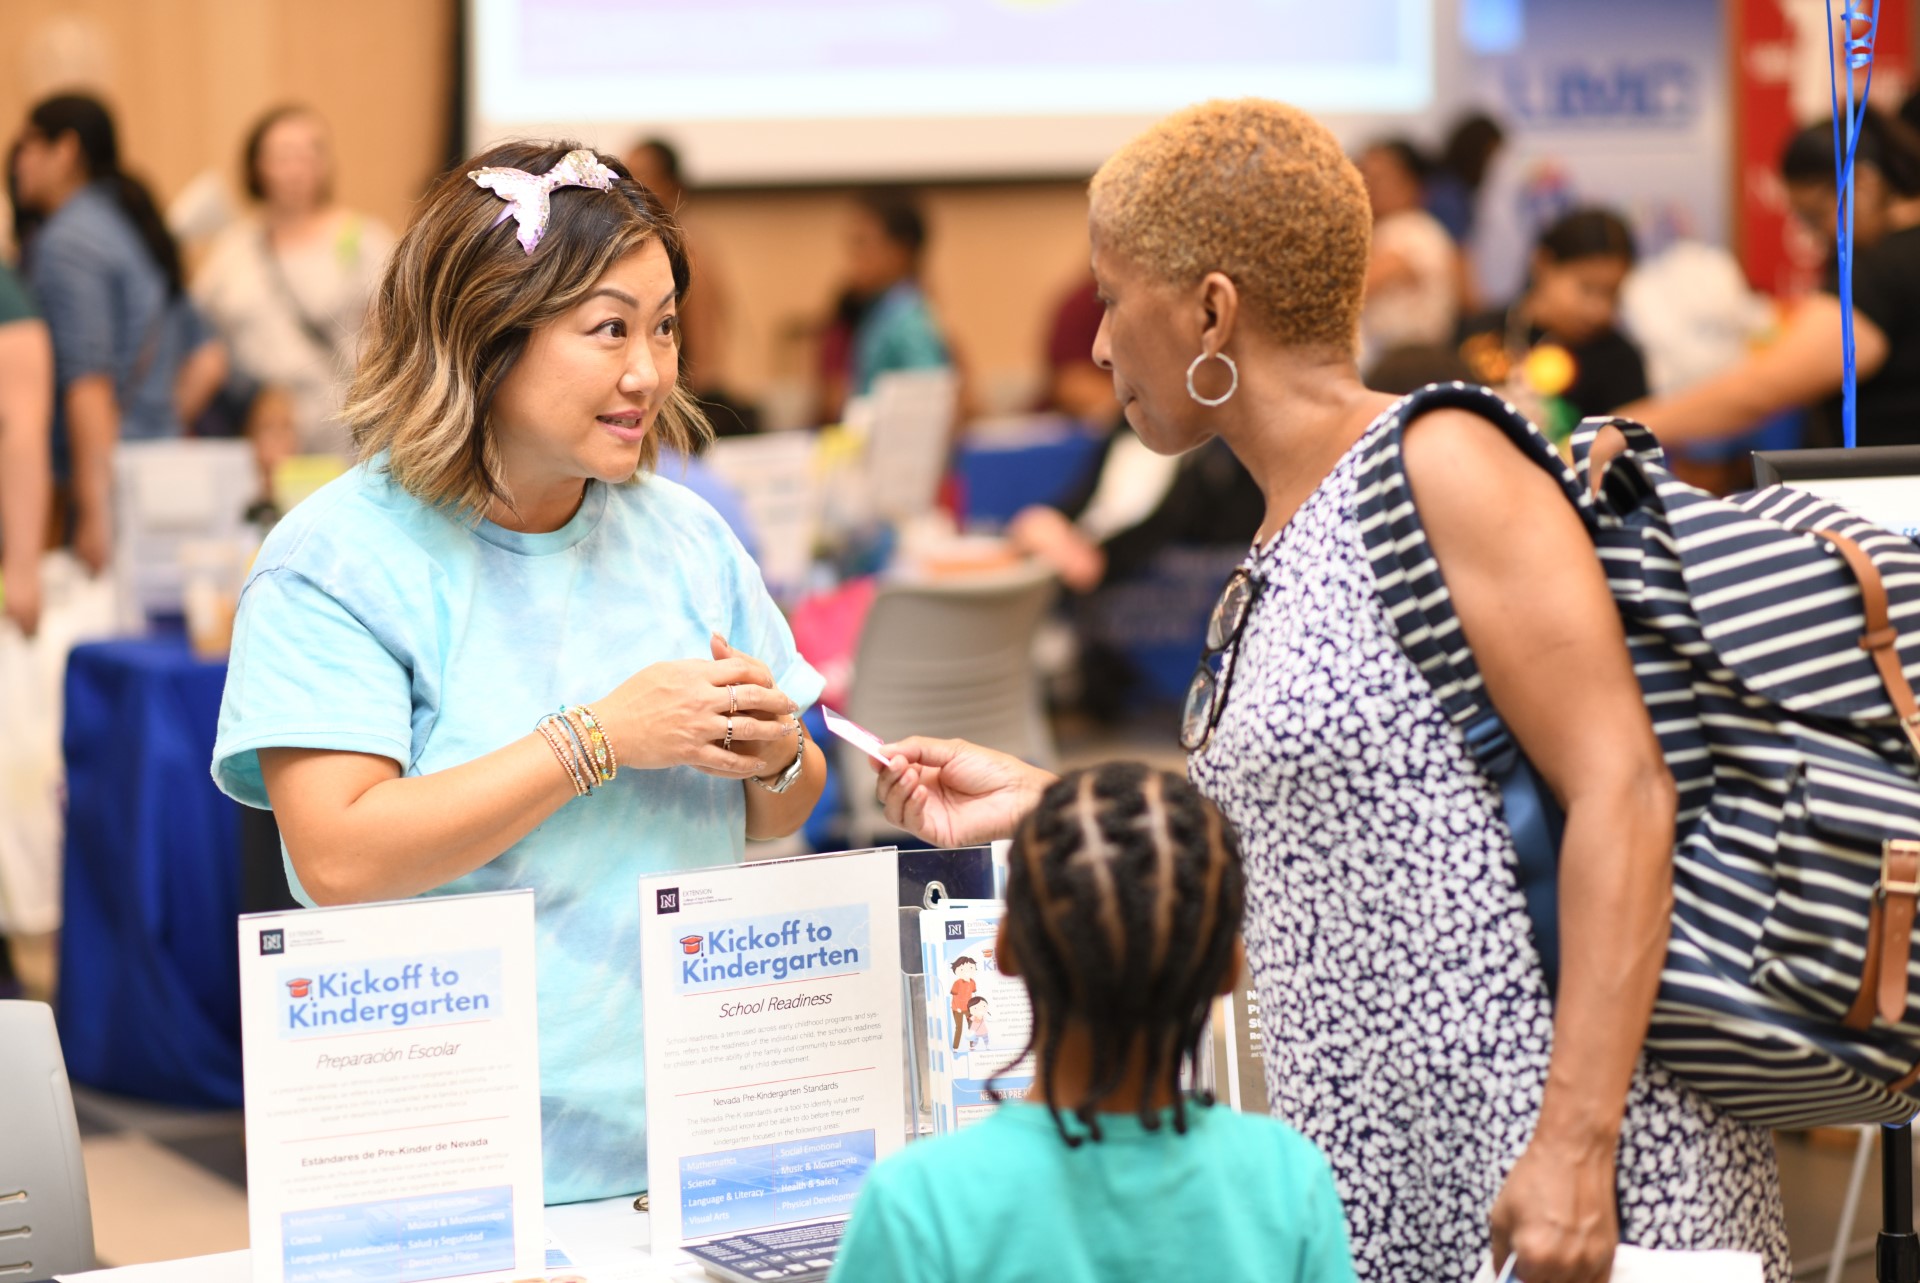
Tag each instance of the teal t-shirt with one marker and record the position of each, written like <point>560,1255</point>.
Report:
<point>373,623</point>
<point>899,333</point>
<point>1239,1199</point>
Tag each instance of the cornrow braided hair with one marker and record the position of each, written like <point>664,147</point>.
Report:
<point>1124,896</point>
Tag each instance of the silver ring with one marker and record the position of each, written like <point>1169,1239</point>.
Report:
<point>728,743</point>
<point>733,700</point>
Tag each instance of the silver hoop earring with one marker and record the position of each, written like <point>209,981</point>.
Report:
<point>1232,387</point>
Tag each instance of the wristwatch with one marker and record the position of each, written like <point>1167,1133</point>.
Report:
<point>785,779</point>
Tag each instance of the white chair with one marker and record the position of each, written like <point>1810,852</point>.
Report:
<point>948,657</point>
<point>168,494</point>
<point>46,1222</point>
<point>910,416</point>
<point>775,477</point>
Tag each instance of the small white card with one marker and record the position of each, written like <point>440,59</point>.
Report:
<point>857,735</point>
<point>1645,1265</point>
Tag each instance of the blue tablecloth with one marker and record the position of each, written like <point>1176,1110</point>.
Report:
<point>149,994</point>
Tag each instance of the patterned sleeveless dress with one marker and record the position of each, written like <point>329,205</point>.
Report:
<point>1407,1025</point>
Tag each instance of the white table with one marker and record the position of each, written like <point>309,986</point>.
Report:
<point>607,1241</point>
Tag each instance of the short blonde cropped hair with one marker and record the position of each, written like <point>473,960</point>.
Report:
<point>458,303</point>
<point>1257,190</point>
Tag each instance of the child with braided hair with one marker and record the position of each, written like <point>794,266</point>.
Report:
<point>1124,898</point>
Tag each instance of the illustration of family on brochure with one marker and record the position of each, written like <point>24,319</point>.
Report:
<point>978,1020</point>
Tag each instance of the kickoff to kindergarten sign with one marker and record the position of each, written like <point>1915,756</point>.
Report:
<point>775,948</point>
<point>389,993</point>
<point>774,1040</point>
<point>393,1092</point>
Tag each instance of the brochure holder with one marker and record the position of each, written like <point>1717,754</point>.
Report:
<point>974,1022</point>
<point>928,879</point>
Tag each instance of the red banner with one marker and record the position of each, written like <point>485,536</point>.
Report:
<point>1780,84</point>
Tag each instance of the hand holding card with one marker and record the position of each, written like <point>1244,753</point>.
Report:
<point>857,735</point>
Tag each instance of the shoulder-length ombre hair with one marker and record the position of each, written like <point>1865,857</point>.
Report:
<point>458,303</point>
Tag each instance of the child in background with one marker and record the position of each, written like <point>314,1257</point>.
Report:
<point>1124,898</point>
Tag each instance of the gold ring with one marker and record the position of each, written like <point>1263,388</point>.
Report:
<point>733,700</point>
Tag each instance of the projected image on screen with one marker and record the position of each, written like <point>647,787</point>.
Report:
<point>1046,63</point>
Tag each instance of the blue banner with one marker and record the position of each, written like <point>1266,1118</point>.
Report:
<point>1621,103</point>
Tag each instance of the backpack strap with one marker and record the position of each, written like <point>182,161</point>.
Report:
<point>1881,640</point>
<point>1883,976</point>
<point>1625,488</point>
<point>1420,610</point>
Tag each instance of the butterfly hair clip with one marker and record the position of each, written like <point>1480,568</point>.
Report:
<point>527,195</point>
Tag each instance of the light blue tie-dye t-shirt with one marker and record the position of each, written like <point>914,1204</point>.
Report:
<point>373,623</point>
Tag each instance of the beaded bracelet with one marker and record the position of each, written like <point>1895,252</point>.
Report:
<point>602,743</point>
<point>564,752</point>
<point>592,740</point>
<point>582,745</point>
<point>582,754</point>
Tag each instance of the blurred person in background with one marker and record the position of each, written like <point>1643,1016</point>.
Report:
<point>26,480</point>
<point>287,287</point>
<point>1076,387</point>
<point>1413,275</point>
<point>1453,188</point>
<point>132,359</point>
<point>1803,365</point>
<point>1692,312</point>
<point>882,321</point>
<point>24,221</point>
<point>1556,347</point>
<point>655,164</point>
<point>1408,369</point>
<point>1129,506</point>
<point>26,459</point>
<point>1453,191</point>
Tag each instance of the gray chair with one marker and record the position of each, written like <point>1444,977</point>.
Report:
<point>46,1222</point>
<point>948,657</point>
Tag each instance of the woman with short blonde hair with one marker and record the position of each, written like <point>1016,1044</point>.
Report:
<point>1407,1025</point>
<point>499,652</point>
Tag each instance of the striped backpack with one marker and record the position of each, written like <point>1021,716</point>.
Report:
<point>1763,632</point>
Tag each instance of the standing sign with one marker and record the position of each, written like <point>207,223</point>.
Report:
<point>774,1040</point>
<point>978,1020</point>
<point>393,1092</point>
